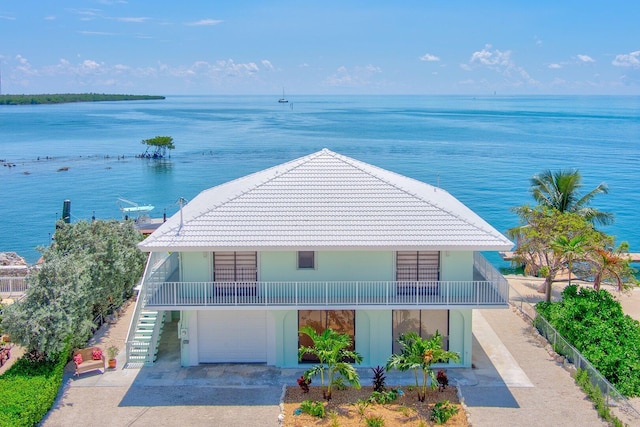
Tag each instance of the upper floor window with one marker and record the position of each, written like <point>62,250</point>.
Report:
<point>306,259</point>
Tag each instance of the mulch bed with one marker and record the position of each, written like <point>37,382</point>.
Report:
<point>342,411</point>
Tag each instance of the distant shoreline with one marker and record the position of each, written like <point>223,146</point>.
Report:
<point>65,98</point>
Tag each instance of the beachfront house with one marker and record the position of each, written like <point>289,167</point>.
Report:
<point>324,240</point>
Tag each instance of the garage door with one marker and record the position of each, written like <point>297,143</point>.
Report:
<point>232,337</point>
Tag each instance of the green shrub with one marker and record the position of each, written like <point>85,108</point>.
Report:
<point>29,388</point>
<point>315,409</point>
<point>595,324</point>
<point>442,411</point>
<point>374,421</point>
<point>595,395</point>
<point>383,397</point>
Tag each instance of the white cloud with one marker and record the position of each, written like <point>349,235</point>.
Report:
<point>586,58</point>
<point>8,18</point>
<point>428,57</point>
<point>267,64</point>
<point>87,14</point>
<point>358,76</point>
<point>371,68</point>
<point>491,58</point>
<point>97,33</point>
<point>90,65</point>
<point>139,19</point>
<point>204,22</point>
<point>555,66</point>
<point>24,66</point>
<point>50,18</point>
<point>631,59</point>
<point>537,40</point>
<point>500,62</point>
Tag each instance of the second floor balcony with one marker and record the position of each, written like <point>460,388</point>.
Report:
<point>162,291</point>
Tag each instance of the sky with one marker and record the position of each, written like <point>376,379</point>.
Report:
<point>241,47</point>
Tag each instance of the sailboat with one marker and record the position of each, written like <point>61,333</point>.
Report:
<point>283,99</point>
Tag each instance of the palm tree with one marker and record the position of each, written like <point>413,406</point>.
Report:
<point>612,264</point>
<point>332,349</point>
<point>571,249</point>
<point>419,354</point>
<point>559,190</point>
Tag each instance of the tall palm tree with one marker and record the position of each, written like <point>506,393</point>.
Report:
<point>559,190</point>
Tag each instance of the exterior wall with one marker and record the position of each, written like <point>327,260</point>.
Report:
<point>195,266</point>
<point>373,327</point>
<point>188,330</point>
<point>456,265</point>
<point>460,335</point>
<point>330,266</point>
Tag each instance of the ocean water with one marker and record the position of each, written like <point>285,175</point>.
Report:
<point>483,150</point>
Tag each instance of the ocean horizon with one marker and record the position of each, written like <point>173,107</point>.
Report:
<point>483,150</point>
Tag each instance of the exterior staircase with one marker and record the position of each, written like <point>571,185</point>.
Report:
<point>143,348</point>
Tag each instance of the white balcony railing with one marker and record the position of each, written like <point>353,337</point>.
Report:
<point>310,294</point>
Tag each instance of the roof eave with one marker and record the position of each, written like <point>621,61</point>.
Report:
<point>475,248</point>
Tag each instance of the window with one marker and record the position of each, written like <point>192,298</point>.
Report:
<point>424,322</point>
<point>306,259</point>
<point>421,266</point>
<point>341,321</point>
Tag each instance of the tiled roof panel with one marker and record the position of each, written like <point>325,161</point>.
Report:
<point>325,200</point>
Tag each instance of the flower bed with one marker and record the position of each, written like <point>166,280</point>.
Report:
<point>346,408</point>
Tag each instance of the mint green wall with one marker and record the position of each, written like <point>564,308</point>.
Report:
<point>456,265</point>
<point>330,266</point>
<point>373,336</point>
<point>460,336</point>
<point>195,266</point>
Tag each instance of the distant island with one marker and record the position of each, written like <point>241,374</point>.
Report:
<point>62,98</point>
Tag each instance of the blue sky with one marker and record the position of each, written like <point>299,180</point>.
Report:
<point>328,47</point>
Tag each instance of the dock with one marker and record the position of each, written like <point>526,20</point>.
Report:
<point>509,256</point>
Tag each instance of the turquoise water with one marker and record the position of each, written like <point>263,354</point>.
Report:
<point>482,150</point>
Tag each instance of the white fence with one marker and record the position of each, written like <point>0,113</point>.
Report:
<point>13,286</point>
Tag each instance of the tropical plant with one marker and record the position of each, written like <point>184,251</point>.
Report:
<point>442,411</point>
<point>419,354</point>
<point>559,190</point>
<point>304,383</point>
<point>379,378</point>
<point>374,421</point>
<point>614,265</point>
<point>383,397</point>
<point>112,352</point>
<point>312,408</point>
<point>443,380</point>
<point>572,249</point>
<point>332,350</point>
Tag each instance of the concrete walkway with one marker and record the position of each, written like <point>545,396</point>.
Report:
<point>515,382</point>
<point>519,384</point>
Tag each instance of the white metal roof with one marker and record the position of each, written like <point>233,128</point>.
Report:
<point>325,201</point>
